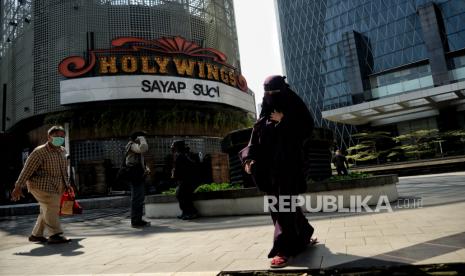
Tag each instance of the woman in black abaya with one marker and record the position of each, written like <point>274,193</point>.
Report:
<point>274,157</point>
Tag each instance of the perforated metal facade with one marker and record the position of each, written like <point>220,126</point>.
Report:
<point>159,148</point>
<point>60,28</point>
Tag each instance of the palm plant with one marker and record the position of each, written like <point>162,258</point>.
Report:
<point>418,143</point>
<point>366,149</point>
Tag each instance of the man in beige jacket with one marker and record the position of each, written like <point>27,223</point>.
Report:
<point>45,175</point>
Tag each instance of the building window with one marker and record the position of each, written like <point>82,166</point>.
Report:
<point>401,81</point>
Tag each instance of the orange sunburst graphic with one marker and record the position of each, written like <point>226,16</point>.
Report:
<point>172,45</point>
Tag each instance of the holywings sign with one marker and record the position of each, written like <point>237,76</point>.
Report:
<point>166,68</point>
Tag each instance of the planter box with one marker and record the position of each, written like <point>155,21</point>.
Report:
<point>249,201</point>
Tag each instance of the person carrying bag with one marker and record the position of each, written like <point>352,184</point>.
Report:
<point>69,205</point>
<point>135,172</point>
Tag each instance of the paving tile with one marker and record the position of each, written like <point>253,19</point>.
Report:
<point>367,233</point>
<point>362,223</point>
<point>259,246</point>
<point>336,229</point>
<point>378,226</point>
<point>159,257</point>
<point>264,254</point>
<point>103,258</point>
<point>336,249</point>
<point>374,261</point>
<point>337,222</point>
<point>461,252</point>
<point>233,255</point>
<point>207,265</point>
<point>312,257</point>
<point>420,238</point>
<point>368,251</point>
<point>403,244</point>
<point>171,267</point>
<point>123,268</point>
<point>385,239</point>
<point>422,251</point>
<point>441,229</point>
<point>345,242</point>
<point>395,232</point>
<point>337,259</point>
<point>333,235</point>
<point>451,257</point>
<point>199,273</point>
<point>245,264</point>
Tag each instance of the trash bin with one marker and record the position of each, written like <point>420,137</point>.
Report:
<point>220,167</point>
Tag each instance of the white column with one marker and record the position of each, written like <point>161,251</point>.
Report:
<point>67,138</point>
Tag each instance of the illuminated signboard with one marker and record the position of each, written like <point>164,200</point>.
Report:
<point>153,87</point>
<point>167,68</point>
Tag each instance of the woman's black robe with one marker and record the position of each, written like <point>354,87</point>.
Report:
<point>278,150</point>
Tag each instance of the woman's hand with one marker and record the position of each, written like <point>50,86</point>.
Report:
<point>276,116</point>
<point>248,166</point>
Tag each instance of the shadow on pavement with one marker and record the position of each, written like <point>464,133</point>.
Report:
<point>414,253</point>
<point>319,260</point>
<point>66,249</point>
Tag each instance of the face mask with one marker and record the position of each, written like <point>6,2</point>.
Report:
<point>58,141</point>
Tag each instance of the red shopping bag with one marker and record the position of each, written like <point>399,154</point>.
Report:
<point>77,209</point>
<point>69,204</point>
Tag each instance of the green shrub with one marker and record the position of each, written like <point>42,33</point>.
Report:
<point>352,175</point>
<point>207,188</point>
<point>171,191</point>
<point>216,187</point>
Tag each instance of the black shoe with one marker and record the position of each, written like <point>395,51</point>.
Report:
<point>141,223</point>
<point>58,238</point>
<point>33,238</point>
<point>191,216</point>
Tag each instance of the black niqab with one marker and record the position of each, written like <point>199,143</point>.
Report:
<point>278,147</point>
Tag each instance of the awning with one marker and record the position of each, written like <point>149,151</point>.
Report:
<point>402,107</point>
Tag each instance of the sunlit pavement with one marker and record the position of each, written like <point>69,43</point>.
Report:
<point>104,243</point>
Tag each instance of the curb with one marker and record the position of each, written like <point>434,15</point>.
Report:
<point>87,204</point>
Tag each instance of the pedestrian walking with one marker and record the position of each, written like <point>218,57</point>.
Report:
<point>340,162</point>
<point>274,157</point>
<point>46,177</point>
<point>184,173</point>
<point>137,171</point>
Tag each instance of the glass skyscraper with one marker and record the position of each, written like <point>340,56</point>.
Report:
<point>395,65</point>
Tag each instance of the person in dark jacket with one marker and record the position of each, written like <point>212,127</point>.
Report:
<point>134,160</point>
<point>340,162</point>
<point>183,173</point>
<point>275,158</point>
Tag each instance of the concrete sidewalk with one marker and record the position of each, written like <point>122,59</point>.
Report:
<point>104,243</point>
